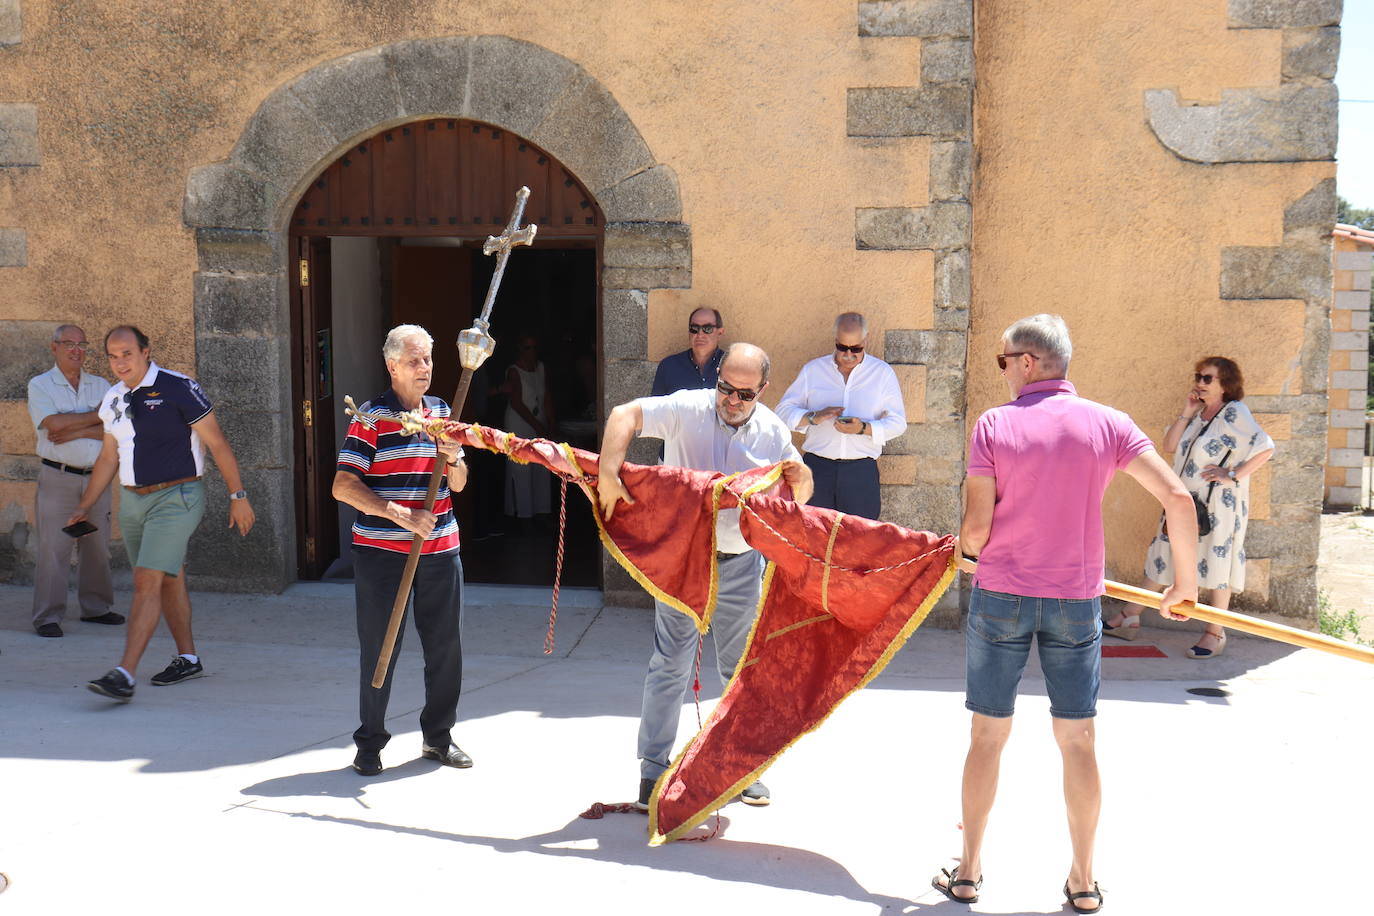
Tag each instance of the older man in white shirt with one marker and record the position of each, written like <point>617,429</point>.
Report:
<point>848,404</point>
<point>728,430</point>
<point>63,403</point>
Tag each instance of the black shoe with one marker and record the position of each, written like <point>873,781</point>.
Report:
<point>367,762</point>
<point>451,756</point>
<point>109,618</point>
<point>181,669</point>
<point>756,795</point>
<point>114,685</point>
<point>646,792</point>
<point>49,630</point>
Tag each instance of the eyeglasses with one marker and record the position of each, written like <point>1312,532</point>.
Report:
<point>744,394</point>
<point>75,345</point>
<point>701,328</point>
<point>1003,357</point>
<point>1204,377</point>
<point>843,349</point>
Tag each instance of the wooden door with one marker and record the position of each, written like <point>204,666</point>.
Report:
<point>432,287</point>
<point>312,378</point>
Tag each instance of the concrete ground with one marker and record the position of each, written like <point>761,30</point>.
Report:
<point>232,794</point>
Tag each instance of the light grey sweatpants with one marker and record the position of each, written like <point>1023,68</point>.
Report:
<point>675,649</point>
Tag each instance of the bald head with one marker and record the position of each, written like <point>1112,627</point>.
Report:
<point>747,359</point>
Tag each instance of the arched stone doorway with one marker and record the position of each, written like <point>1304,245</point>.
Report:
<point>240,209</point>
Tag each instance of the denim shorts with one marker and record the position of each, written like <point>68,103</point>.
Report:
<point>1068,634</point>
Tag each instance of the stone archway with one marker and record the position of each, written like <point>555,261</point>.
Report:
<point>239,209</point>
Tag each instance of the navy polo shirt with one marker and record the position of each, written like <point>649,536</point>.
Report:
<point>679,371</point>
<point>152,427</point>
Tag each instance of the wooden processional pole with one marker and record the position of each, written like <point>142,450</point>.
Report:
<point>474,346</point>
<point>1243,622</point>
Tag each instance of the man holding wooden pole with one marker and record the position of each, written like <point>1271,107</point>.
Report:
<point>1037,470</point>
<point>383,472</point>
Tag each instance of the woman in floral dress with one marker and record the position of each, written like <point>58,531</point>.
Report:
<point>1216,440</point>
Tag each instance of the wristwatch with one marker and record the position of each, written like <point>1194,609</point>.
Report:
<point>1231,473</point>
<point>239,494</point>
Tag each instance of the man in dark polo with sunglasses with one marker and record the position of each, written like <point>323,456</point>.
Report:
<point>699,365</point>
<point>157,426</point>
<point>848,404</point>
<point>723,429</point>
<point>63,403</point>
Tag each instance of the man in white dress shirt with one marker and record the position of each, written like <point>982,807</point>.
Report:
<point>63,403</point>
<point>723,429</point>
<point>848,404</point>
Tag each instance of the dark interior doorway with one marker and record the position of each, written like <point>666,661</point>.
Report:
<point>391,233</point>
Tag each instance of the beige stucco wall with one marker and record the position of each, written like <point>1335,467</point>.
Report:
<point>801,141</point>
<point>745,102</point>
<point>1080,210</point>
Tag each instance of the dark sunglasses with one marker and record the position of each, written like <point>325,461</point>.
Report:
<point>843,349</point>
<point>701,328</point>
<point>1204,377</point>
<point>127,409</point>
<point>744,394</point>
<point>1003,357</point>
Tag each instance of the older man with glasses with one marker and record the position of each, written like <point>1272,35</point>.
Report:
<point>724,430</point>
<point>699,365</point>
<point>848,404</point>
<point>64,403</point>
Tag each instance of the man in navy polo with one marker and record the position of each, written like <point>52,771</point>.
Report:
<point>158,424</point>
<point>699,365</point>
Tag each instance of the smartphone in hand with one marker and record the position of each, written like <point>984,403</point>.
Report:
<point>80,529</point>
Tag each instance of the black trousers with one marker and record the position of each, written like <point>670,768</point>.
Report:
<point>436,600</point>
<point>850,486</point>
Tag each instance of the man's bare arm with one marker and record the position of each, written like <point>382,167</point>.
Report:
<point>980,497</point>
<point>1163,484</point>
<point>349,488</point>
<point>621,426</point>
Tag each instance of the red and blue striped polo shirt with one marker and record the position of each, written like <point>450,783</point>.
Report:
<point>397,467</point>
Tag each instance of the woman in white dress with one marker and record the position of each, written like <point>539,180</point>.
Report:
<point>529,414</point>
<point>1218,445</point>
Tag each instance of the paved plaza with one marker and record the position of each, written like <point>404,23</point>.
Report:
<point>233,793</point>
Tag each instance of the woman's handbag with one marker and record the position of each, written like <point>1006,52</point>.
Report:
<point>1204,516</point>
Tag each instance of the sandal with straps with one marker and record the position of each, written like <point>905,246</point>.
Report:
<point>1128,629</point>
<point>952,880</point>
<point>1094,894</point>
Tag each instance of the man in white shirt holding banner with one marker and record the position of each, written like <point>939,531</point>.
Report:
<point>63,403</point>
<point>848,404</point>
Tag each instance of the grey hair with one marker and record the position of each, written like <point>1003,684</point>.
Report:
<point>1045,335</point>
<point>396,339</point>
<point>749,351</point>
<point>57,331</point>
<point>851,320</point>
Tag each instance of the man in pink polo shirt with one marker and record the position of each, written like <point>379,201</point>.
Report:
<point>1037,470</point>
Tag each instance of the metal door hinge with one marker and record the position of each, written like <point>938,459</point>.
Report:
<point>308,409</point>
<point>305,272</point>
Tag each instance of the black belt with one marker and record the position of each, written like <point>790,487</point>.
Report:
<point>70,469</point>
<point>840,460</point>
<point>729,556</point>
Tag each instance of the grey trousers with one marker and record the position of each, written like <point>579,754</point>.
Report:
<point>58,494</point>
<point>669,678</point>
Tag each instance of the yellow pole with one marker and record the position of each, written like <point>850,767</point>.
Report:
<point>1234,621</point>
